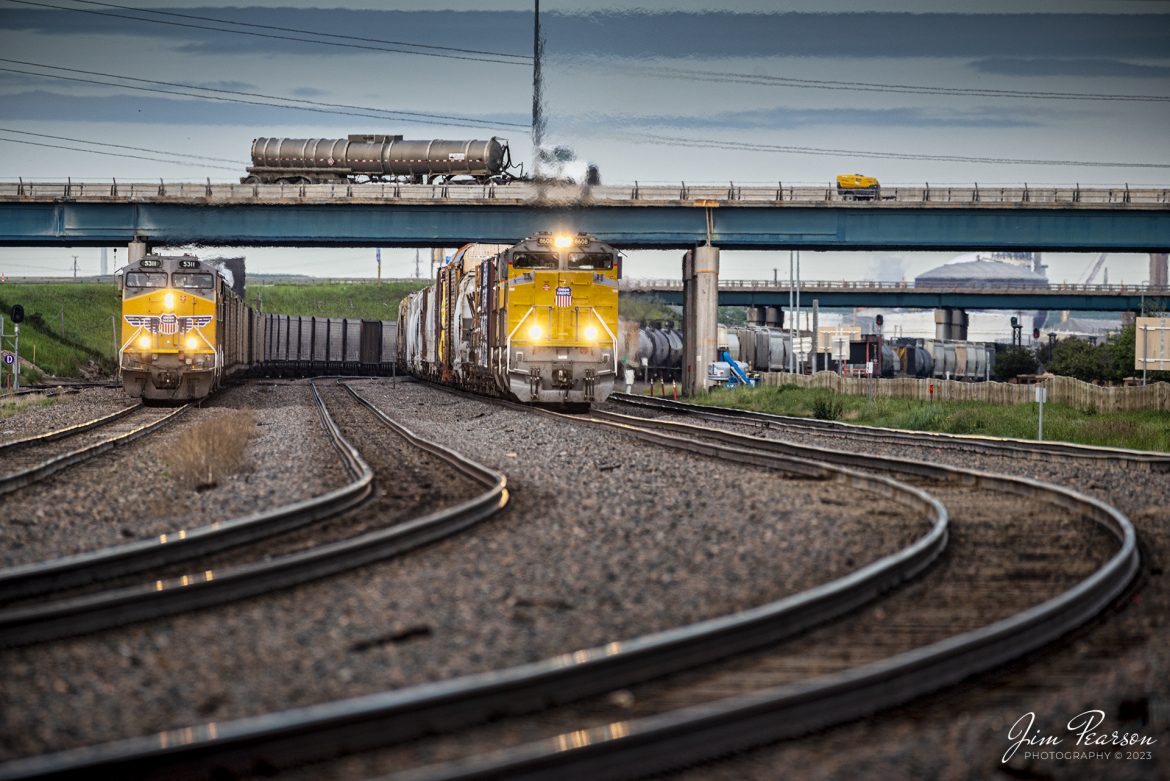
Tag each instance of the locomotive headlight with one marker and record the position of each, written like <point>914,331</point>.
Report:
<point>535,331</point>
<point>192,342</point>
<point>563,242</point>
<point>590,333</point>
<point>144,342</point>
<point>169,300</point>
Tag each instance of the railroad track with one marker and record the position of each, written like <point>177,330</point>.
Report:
<point>627,748</point>
<point>26,461</point>
<point>912,644</point>
<point>999,446</point>
<point>219,580</point>
<point>316,731</point>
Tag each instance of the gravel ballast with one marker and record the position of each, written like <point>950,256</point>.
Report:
<point>38,413</point>
<point>130,493</point>
<point>604,538</point>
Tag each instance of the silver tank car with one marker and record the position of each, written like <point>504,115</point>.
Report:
<point>376,158</point>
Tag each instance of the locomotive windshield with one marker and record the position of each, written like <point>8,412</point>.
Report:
<point>146,279</point>
<point>534,260</point>
<point>591,260</point>
<point>188,281</point>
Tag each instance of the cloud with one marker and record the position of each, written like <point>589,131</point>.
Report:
<point>648,35</point>
<point>55,106</point>
<point>1080,67</point>
<point>783,117</point>
<point>308,92</point>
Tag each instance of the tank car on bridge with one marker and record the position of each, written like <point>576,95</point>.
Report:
<point>377,158</point>
<point>536,322</point>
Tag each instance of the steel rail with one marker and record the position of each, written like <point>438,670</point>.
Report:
<point>1004,446</point>
<point>33,474</point>
<point>208,588</point>
<point>315,732</point>
<point>45,577</point>
<point>672,740</point>
<point>68,431</point>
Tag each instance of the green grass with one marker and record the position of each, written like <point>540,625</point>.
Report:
<point>1139,430</point>
<point>14,405</point>
<point>365,300</point>
<point>84,346</point>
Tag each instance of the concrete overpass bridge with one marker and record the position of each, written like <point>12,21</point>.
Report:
<point>701,220</point>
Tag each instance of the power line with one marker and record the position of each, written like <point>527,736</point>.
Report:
<point>266,35</point>
<point>306,32</point>
<point>383,118</point>
<point>710,143</point>
<point>863,86</point>
<point>119,146</point>
<point>109,154</point>
<point>306,101</point>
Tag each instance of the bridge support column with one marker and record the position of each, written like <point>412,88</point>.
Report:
<point>700,315</point>
<point>950,324</point>
<point>137,250</point>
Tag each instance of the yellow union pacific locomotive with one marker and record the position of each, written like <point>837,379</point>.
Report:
<point>183,328</point>
<point>535,322</point>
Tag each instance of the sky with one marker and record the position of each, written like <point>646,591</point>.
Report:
<point>1038,92</point>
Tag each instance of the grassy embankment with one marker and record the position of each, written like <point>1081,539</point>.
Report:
<point>86,348</point>
<point>1140,430</point>
<point>365,300</point>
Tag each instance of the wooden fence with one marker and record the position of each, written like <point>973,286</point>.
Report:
<point>1061,390</point>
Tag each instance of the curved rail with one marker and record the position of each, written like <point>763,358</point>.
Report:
<point>1004,446</point>
<point>30,475</point>
<point>173,595</point>
<point>675,739</point>
<point>313,732</point>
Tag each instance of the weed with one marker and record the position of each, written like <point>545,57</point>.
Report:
<point>214,450</point>
<point>827,407</point>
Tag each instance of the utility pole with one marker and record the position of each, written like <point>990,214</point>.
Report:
<point>378,258</point>
<point>791,332</point>
<point>75,267</point>
<point>537,92</point>
<point>417,271</point>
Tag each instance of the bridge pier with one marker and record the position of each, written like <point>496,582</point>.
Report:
<point>700,272</point>
<point>137,250</point>
<point>950,323</point>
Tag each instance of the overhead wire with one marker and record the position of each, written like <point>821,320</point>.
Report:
<point>267,35</point>
<point>863,86</point>
<point>119,146</point>
<point>110,154</point>
<point>710,143</point>
<point>306,101</point>
<point>461,49</point>
<point>412,117</point>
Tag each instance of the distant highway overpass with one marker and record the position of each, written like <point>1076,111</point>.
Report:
<point>896,295</point>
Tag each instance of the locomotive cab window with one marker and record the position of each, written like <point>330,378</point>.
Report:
<point>534,260</point>
<point>189,281</point>
<point>145,279</point>
<point>595,261</point>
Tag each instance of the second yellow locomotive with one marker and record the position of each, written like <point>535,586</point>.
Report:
<point>536,322</point>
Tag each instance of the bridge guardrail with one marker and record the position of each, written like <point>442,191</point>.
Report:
<point>704,195</point>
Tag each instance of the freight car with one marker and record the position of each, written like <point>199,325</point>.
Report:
<point>536,322</point>
<point>183,329</point>
<point>377,158</point>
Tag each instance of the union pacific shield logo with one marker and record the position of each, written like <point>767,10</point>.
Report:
<point>564,296</point>
<point>168,324</point>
